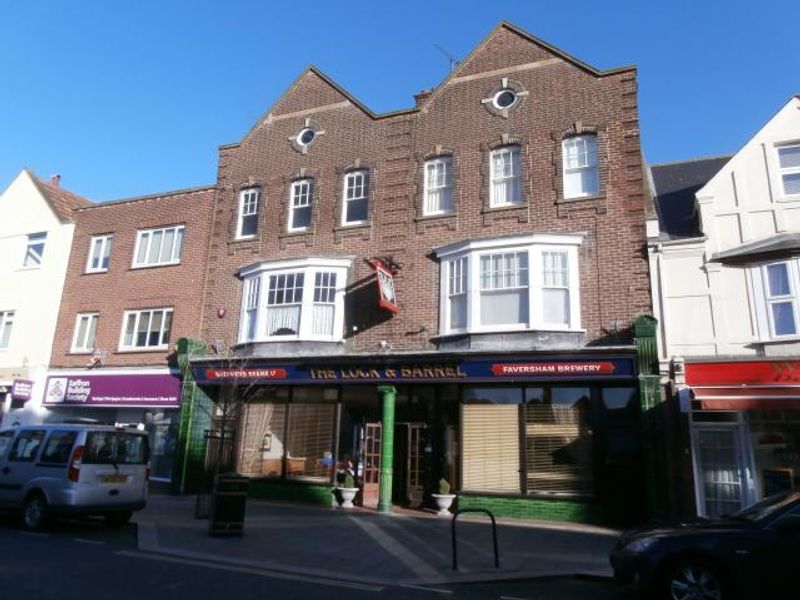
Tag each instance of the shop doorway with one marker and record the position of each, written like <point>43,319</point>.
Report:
<point>722,469</point>
<point>409,451</point>
<point>373,436</point>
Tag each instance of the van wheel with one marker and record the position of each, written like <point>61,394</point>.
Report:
<point>34,513</point>
<point>121,517</point>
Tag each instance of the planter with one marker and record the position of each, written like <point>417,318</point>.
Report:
<point>346,496</point>
<point>443,502</point>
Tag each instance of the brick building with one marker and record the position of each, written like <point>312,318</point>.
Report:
<point>504,216</point>
<point>133,287</point>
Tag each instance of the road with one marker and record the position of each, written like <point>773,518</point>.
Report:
<point>76,560</point>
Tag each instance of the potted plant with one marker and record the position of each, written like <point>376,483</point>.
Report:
<point>444,498</point>
<point>348,491</point>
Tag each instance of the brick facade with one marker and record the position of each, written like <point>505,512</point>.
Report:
<point>562,96</point>
<point>124,288</point>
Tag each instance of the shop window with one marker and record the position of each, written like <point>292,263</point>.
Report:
<point>99,254</point>
<point>247,223</point>
<point>775,287</point>
<point>506,187</point>
<point>524,283</point>
<point>34,251</point>
<point>294,300</point>
<point>158,247</point>
<point>579,155</point>
<point>558,436</point>
<point>490,434</point>
<point>146,329</point>
<point>309,450</point>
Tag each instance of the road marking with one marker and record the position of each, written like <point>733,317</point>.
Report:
<point>34,534</point>
<point>252,571</point>
<point>426,589</point>
<point>85,541</point>
<point>393,546</point>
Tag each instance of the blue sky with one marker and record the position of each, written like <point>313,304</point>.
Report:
<point>129,98</point>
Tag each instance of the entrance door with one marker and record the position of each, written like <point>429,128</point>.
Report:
<point>720,470</point>
<point>416,448</point>
<point>372,465</point>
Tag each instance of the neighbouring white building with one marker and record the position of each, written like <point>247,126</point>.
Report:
<point>35,240</point>
<point>725,271</point>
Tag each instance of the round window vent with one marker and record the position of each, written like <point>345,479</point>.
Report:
<point>306,136</point>
<point>505,98</point>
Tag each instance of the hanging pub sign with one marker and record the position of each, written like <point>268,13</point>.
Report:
<point>385,277</point>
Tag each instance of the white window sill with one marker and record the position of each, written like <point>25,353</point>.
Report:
<point>156,265</point>
<point>292,338</point>
<point>542,329</point>
<point>95,271</point>
<point>354,224</point>
<point>780,340</point>
<point>30,268</point>
<point>147,349</point>
<point>80,351</point>
<point>792,198</point>
<point>245,238</point>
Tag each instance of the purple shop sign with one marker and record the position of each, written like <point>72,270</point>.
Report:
<point>113,390</point>
<point>21,389</point>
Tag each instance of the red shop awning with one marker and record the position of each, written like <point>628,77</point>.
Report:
<point>745,385</point>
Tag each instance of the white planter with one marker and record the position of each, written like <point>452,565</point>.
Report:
<point>443,501</point>
<point>347,495</point>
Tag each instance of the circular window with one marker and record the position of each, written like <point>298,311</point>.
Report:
<point>505,98</point>
<point>306,136</point>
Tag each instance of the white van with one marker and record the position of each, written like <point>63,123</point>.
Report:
<point>48,470</point>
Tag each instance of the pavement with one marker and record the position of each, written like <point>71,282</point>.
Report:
<point>407,548</point>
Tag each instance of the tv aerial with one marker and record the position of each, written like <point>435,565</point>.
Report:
<point>453,60</point>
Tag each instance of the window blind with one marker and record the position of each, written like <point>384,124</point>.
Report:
<point>491,447</point>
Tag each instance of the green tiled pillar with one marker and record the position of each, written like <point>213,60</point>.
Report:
<point>387,448</point>
<point>654,418</point>
<point>195,418</point>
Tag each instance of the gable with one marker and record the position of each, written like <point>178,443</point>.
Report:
<point>311,90</point>
<point>504,48</point>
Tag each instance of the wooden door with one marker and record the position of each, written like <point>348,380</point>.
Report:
<point>414,470</point>
<point>372,465</point>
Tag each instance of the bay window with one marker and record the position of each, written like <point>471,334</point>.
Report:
<point>510,284</point>
<point>293,300</point>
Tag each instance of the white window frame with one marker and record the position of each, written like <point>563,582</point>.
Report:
<point>103,244</point>
<point>261,274</point>
<point>6,324</point>
<point>762,299</point>
<point>163,345</point>
<point>364,174</point>
<point>515,155</point>
<point>589,165</point>
<point>296,196</point>
<point>249,203</point>
<point>82,346</point>
<point>145,236</point>
<point>535,245</point>
<point>37,258</point>
<point>781,171</point>
<point>438,197</point>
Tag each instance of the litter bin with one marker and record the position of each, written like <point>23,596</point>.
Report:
<point>228,501</point>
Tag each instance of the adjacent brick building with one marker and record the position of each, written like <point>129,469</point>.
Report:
<point>509,207</point>
<point>133,287</point>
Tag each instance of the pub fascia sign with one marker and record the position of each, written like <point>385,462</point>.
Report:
<point>463,371</point>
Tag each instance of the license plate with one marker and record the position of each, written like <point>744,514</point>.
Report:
<point>113,478</point>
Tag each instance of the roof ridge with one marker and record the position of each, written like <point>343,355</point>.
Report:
<point>190,190</point>
<point>692,160</point>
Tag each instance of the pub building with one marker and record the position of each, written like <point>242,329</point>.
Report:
<point>443,292</point>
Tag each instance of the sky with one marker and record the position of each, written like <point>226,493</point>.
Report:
<point>131,98</point>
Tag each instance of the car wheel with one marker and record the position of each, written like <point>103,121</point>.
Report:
<point>694,579</point>
<point>119,518</point>
<point>34,513</point>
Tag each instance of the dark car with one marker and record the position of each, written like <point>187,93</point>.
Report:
<point>753,553</point>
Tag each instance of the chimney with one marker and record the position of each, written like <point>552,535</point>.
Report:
<point>55,180</point>
<point>421,97</point>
